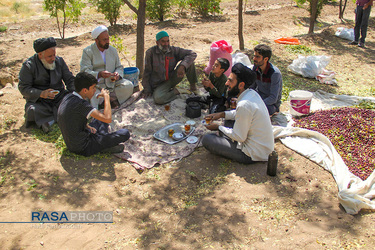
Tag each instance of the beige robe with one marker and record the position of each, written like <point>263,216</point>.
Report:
<point>92,63</point>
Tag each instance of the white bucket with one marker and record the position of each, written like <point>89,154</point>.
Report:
<point>132,74</point>
<point>300,102</point>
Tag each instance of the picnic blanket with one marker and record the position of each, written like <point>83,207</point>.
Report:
<point>143,118</point>
<point>354,194</point>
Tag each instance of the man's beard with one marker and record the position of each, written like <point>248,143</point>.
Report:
<point>105,46</point>
<point>49,66</point>
<point>164,48</point>
<point>234,91</point>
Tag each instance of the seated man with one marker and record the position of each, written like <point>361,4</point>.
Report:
<point>269,82</point>
<point>102,61</point>
<point>41,83</point>
<point>251,138</point>
<point>73,113</point>
<point>161,76</point>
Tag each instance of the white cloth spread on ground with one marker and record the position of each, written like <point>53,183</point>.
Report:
<point>354,194</point>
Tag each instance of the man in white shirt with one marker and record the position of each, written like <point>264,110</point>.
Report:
<point>251,137</point>
<point>102,61</point>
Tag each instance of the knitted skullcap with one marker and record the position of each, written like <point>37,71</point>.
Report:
<point>98,30</point>
<point>161,34</point>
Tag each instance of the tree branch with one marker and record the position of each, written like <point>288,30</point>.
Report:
<point>131,6</point>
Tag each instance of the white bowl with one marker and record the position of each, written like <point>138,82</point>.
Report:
<point>177,136</point>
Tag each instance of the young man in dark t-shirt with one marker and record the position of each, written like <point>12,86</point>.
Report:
<point>74,112</point>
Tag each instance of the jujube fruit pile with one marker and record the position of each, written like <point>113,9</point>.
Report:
<point>351,131</point>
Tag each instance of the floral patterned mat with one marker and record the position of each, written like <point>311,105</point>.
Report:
<point>143,118</point>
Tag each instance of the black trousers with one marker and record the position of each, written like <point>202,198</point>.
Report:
<point>102,139</point>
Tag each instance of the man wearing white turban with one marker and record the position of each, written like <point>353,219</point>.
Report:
<point>102,61</point>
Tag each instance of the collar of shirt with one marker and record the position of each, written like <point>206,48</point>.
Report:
<point>258,69</point>
<point>103,55</point>
<point>76,94</point>
<point>242,95</point>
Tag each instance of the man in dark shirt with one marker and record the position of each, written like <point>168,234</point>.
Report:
<point>74,112</point>
<point>44,80</point>
<point>269,83</point>
<point>165,67</point>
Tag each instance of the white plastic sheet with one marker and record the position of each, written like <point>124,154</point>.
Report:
<point>309,66</point>
<point>345,33</point>
<point>241,58</point>
<point>354,194</point>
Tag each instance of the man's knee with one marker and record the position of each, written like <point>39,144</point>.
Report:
<point>159,98</point>
<point>207,140</point>
<point>29,113</point>
<point>124,133</point>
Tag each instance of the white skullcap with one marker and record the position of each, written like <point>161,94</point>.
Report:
<point>98,30</point>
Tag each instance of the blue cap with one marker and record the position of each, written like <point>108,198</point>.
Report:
<point>161,34</point>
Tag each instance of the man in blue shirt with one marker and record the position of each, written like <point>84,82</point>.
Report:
<point>269,82</point>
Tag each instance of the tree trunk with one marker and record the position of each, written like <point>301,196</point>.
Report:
<point>342,9</point>
<point>314,9</point>
<point>240,24</point>
<point>141,36</point>
<point>141,19</point>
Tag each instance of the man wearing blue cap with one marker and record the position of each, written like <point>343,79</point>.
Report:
<point>41,84</point>
<point>161,75</point>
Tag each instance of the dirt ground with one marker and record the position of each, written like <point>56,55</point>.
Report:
<point>202,201</point>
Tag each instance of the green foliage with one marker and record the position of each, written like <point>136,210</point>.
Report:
<point>110,9</point>
<point>32,185</point>
<point>321,3</point>
<point>181,5</point>
<point>158,10</point>
<point>3,28</point>
<point>16,6</point>
<point>366,105</point>
<point>118,43</point>
<point>299,49</point>
<point>20,7</point>
<point>7,124</point>
<point>205,7</point>
<point>70,10</point>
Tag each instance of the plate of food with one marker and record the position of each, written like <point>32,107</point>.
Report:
<point>192,139</point>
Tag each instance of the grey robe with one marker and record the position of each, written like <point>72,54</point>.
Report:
<point>92,63</point>
<point>34,78</point>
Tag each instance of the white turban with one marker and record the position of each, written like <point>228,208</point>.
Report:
<point>98,30</point>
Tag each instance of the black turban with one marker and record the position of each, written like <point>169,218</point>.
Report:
<point>42,44</point>
<point>244,74</point>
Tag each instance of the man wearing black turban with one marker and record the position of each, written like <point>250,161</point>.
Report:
<point>41,83</point>
<point>251,137</point>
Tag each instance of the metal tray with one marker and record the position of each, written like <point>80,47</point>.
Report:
<point>162,134</point>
